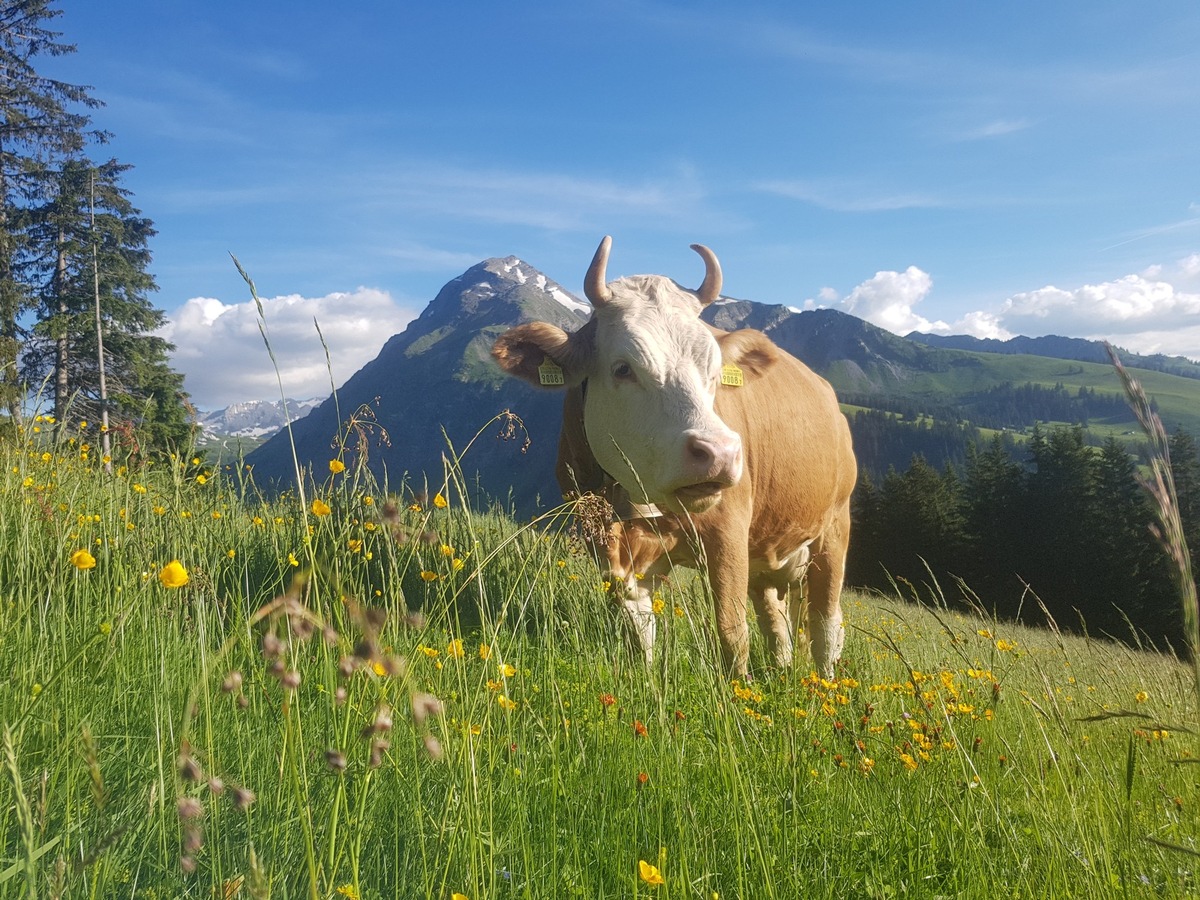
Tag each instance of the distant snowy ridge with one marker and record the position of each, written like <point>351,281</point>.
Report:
<point>252,418</point>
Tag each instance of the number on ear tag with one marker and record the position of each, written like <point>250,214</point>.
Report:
<point>550,373</point>
<point>732,375</point>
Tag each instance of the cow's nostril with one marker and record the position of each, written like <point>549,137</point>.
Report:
<point>701,451</point>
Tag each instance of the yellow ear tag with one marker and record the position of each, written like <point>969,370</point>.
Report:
<point>550,373</point>
<point>732,375</point>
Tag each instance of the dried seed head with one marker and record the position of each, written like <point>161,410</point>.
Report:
<point>276,668</point>
<point>187,864</point>
<point>433,747</point>
<point>189,809</point>
<point>376,618</point>
<point>425,705</point>
<point>365,649</point>
<point>216,785</point>
<point>336,760</point>
<point>347,665</point>
<point>189,768</point>
<point>329,633</point>
<point>339,696</point>
<point>271,645</point>
<point>290,680</point>
<point>382,722</point>
<point>393,665</point>
<point>243,797</point>
<point>232,682</point>
<point>378,748</point>
<point>193,840</point>
<point>243,701</point>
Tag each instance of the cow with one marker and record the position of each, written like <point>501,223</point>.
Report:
<point>727,453</point>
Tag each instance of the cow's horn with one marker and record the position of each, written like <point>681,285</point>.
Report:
<point>710,290</point>
<point>595,288</point>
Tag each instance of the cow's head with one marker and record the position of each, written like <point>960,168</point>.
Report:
<point>652,369</point>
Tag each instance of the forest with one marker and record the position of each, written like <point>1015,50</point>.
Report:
<point>1055,524</point>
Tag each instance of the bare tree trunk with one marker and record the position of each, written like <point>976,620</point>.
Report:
<point>105,442</point>
<point>62,346</point>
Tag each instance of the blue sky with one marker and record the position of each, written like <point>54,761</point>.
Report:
<point>1005,168</point>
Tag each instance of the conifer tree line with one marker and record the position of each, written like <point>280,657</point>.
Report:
<point>1066,520</point>
<point>76,320</point>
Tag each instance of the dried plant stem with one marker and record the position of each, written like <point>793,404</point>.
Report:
<point>1169,530</point>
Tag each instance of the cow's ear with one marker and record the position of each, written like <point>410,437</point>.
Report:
<point>749,350</point>
<point>533,352</point>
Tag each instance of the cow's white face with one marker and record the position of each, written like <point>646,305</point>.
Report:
<point>650,368</point>
<point>651,385</point>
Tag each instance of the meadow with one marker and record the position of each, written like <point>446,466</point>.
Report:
<point>360,691</point>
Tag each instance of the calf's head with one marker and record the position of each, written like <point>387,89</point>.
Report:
<point>652,369</point>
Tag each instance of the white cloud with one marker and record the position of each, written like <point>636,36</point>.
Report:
<point>888,298</point>
<point>844,196</point>
<point>220,351</point>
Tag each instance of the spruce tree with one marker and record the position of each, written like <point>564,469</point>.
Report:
<point>96,277</point>
<point>41,120</point>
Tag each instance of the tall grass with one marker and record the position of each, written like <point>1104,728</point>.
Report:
<point>375,694</point>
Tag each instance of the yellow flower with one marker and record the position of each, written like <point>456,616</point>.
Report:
<point>484,651</point>
<point>506,704</point>
<point>173,575</point>
<point>354,545</point>
<point>348,890</point>
<point>368,500</point>
<point>431,652</point>
<point>458,896</point>
<point>201,479</point>
<point>456,565</point>
<point>507,671</point>
<point>320,508</point>
<point>159,510</point>
<point>336,466</point>
<point>231,553</point>
<point>429,576</point>
<point>292,561</point>
<point>83,560</point>
<point>1140,696</point>
<point>455,648</point>
<point>658,606</point>
<point>447,550</point>
<point>650,874</point>
<point>440,502</point>
<point>139,488</point>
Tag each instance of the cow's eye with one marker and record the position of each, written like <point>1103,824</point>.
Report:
<point>622,371</point>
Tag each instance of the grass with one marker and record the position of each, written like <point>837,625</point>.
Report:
<point>370,695</point>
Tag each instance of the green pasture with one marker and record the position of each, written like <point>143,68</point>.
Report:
<point>359,692</point>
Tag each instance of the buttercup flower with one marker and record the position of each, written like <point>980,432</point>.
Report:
<point>440,502</point>
<point>320,508</point>
<point>336,466</point>
<point>173,575</point>
<point>83,560</point>
<point>650,874</point>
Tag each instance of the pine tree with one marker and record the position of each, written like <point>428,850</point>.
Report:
<point>97,278</point>
<point>36,126</point>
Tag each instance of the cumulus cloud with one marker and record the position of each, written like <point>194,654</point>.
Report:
<point>888,299</point>
<point>1154,311</point>
<point>221,353</point>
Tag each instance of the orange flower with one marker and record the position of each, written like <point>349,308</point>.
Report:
<point>638,728</point>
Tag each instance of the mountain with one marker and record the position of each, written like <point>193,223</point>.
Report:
<point>1059,347</point>
<point>435,386</point>
<point>252,419</point>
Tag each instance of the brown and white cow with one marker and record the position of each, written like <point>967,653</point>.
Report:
<point>753,480</point>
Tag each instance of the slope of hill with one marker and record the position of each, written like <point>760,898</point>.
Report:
<point>1059,347</point>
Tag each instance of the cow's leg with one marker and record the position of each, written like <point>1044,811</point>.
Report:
<point>825,632</point>
<point>773,620</point>
<point>636,602</point>
<point>729,575</point>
